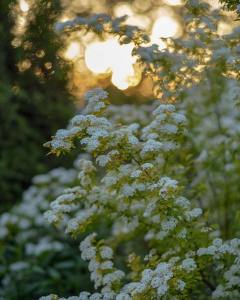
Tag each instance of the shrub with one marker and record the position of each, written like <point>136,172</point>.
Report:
<point>35,257</point>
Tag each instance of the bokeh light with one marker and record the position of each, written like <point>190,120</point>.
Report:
<point>98,56</point>
<point>103,58</point>
<point>108,56</point>
<point>224,28</point>
<point>73,51</point>
<point>164,27</point>
<point>122,9</point>
<point>174,2</point>
<point>24,6</point>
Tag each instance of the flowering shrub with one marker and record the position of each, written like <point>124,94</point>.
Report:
<point>36,258</point>
<point>153,172</point>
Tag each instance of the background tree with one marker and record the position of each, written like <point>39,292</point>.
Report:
<point>231,4</point>
<point>34,100</point>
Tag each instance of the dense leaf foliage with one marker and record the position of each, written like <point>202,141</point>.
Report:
<point>34,99</point>
<point>231,5</point>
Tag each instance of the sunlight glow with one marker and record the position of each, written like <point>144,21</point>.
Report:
<point>174,2</point>
<point>165,26</point>
<point>138,20</point>
<point>24,6</point>
<point>161,44</point>
<point>73,51</point>
<point>98,56</point>
<point>123,9</point>
<point>224,28</point>
<point>108,56</point>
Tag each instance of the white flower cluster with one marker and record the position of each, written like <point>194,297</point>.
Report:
<point>95,101</point>
<point>160,135</point>
<point>229,287</point>
<point>189,264</point>
<point>90,128</point>
<point>129,195</point>
<point>44,244</point>
<point>155,282</point>
<point>27,241</point>
<point>100,265</point>
<point>100,23</point>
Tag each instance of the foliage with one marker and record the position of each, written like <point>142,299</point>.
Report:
<point>129,207</point>
<point>231,5</point>
<point>34,99</point>
<point>36,258</point>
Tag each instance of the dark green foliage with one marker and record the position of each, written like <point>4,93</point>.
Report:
<point>63,272</point>
<point>34,102</point>
<point>230,4</point>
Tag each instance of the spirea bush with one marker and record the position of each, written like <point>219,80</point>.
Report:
<point>35,257</point>
<point>155,200</point>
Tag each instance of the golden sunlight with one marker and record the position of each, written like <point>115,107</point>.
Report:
<point>174,2</point>
<point>164,27</point>
<point>108,56</point>
<point>122,9</point>
<point>224,28</point>
<point>73,51</point>
<point>98,56</point>
<point>24,6</point>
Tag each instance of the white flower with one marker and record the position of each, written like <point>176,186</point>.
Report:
<point>49,297</point>
<point>156,282</point>
<point>93,98</point>
<point>151,146</point>
<point>111,277</point>
<point>108,264</point>
<point>219,292</point>
<point>19,266</point>
<point>217,242</point>
<point>167,185</point>
<point>162,289</point>
<point>96,296</point>
<point>180,285</point>
<point>128,190</point>
<point>102,160</point>
<point>193,214</point>
<point>147,166</point>
<point>169,224</point>
<point>106,252</point>
<point>97,93</point>
<point>89,253</point>
<point>123,296</point>
<point>189,264</point>
<point>182,234</point>
<point>163,108</point>
<point>147,275</point>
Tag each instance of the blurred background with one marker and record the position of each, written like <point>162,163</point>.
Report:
<point>43,74</point>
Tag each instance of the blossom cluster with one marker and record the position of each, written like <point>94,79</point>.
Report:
<point>140,175</point>
<point>28,244</point>
<point>130,184</point>
<point>104,23</point>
